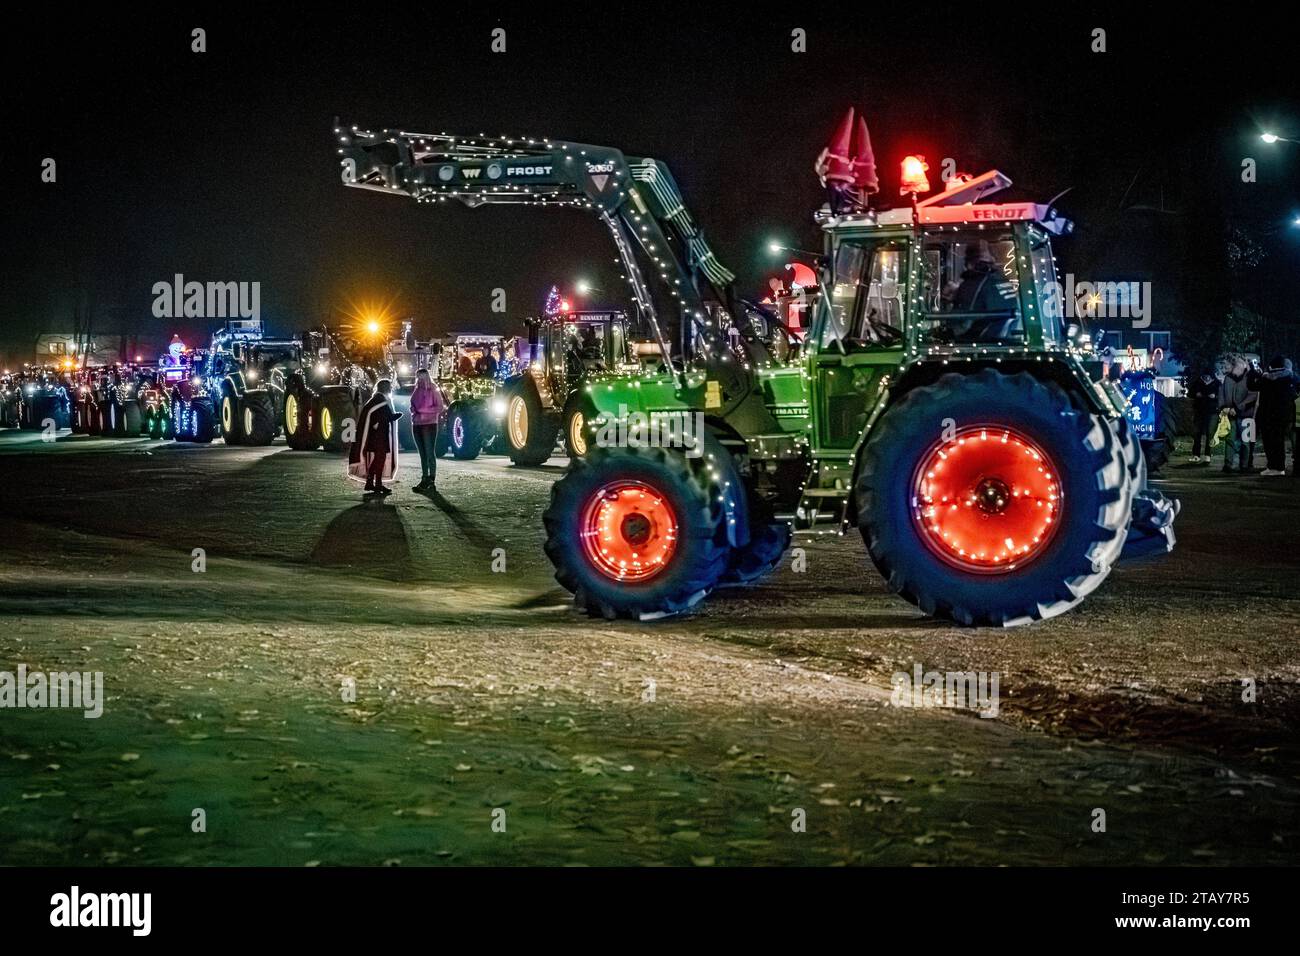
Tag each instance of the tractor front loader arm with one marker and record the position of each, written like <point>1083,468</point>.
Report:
<point>636,198</point>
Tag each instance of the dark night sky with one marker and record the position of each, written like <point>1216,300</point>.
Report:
<point>220,165</point>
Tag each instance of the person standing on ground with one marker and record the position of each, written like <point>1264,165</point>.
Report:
<point>1236,398</point>
<point>1204,394</point>
<point>426,412</point>
<point>373,456</point>
<point>1276,416</point>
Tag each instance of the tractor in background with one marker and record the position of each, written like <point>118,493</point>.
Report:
<point>472,369</point>
<point>567,349</point>
<point>238,387</point>
<point>404,357</point>
<point>323,394</point>
<point>40,395</point>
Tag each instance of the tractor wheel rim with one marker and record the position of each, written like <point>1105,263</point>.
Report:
<point>248,421</point>
<point>987,500</point>
<point>291,414</point>
<point>518,422</point>
<point>326,423</point>
<point>227,414</point>
<point>458,432</point>
<point>577,438</point>
<point>628,531</point>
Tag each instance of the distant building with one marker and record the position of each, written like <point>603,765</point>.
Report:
<point>56,347</point>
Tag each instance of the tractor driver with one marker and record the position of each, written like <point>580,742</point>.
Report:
<point>592,355</point>
<point>982,289</point>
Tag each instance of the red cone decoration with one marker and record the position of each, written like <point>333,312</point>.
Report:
<point>847,166</point>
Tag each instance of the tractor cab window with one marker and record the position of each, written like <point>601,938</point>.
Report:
<point>1050,296</point>
<point>971,289</point>
<point>866,303</point>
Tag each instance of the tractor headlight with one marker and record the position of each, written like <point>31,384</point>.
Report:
<point>498,407</point>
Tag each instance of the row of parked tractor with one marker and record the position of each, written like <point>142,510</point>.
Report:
<point>511,395</point>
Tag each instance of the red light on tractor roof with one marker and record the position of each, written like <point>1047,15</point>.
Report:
<point>914,179</point>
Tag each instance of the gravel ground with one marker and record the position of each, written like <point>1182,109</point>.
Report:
<point>492,724</point>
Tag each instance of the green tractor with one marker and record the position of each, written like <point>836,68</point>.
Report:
<point>324,390</point>
<point>934,402</point>
<point>544,401</point>
<point>470,376</point>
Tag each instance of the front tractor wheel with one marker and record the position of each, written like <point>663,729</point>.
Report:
<point>465,432</point>
<point>989,499</point>
<point>232,419</point>
<point>635,534</point>
<point>530,432</point>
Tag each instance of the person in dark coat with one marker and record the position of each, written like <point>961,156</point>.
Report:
<point>373,456</point>
<point>1204,393</point>
<point>1276,415</point>
<point>1238,399</point>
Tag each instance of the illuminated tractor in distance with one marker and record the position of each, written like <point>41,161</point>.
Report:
<point>935,401</point>
<point>404,356</point>
<point>123,401</point>
<point>86,396</point>
<point>323,394</point>
<point>10,400</point>
<point>474,393</point>
<point>39,394</point>
<point>567,349</point>
<point>237,388</point>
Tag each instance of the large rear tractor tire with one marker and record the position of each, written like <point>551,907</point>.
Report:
<point>114,419</point>
<point>636,533</point>
<point>465,431</point>
<point>232,418</point>
<point>204,423</point>
<point>989,499</point>
<point>259,425</point>
<point>530,432</point>
<point>299,426</point>
<point>336,417</point>
<point>131,419</point>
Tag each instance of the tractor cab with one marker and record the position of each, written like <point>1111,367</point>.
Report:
<point>405,356</point>
<point>910,290</point>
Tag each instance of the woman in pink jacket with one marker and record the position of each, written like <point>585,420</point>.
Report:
<point>426,411</point>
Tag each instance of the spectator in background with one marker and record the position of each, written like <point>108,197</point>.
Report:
<point>1236,398</point>
<point>1277,388</point>
<point>1205,412</point>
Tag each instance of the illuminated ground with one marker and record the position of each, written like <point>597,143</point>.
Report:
<point>479,691</point>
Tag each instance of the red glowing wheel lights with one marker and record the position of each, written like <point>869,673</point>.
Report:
<point>988,500</point>
<point>628,531</point>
